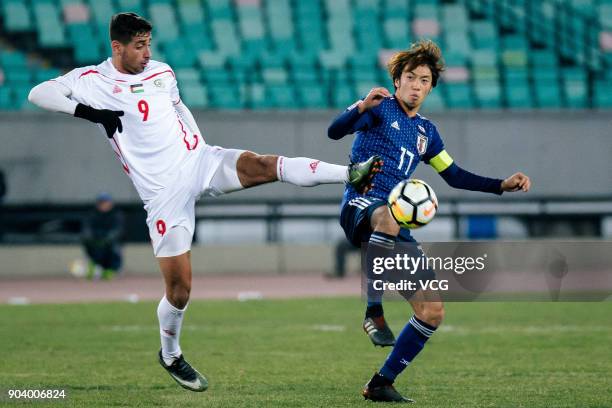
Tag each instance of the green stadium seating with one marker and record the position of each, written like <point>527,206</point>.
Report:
<point>281,96</point>
<point>256,97</point>
<point>484,35</point>
<point>311,96</point>
<point>275,54</point>
<point>16,16</point>
<point>135,6</point>
<point>575,87</point>
<point>434,102</point>
<point>342,96</point>
<point>488,94</point>
<point>195,96</point>
<point>396,33</point>
<point>547,94</point>
<point>179,54</point>
<point>6,98</point>
<point>603,94</point>
<point>459,95</point>
<point>225,96</point>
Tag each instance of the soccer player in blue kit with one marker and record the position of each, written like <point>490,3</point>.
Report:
<point>390,127</point>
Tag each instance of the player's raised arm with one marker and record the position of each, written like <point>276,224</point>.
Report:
<point>55,97</point>
<point>358,116</point>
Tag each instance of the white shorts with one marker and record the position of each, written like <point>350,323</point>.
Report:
<point>212,173</point>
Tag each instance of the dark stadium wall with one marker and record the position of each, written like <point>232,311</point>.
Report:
<point>57,159</point>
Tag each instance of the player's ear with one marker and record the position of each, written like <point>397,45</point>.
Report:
<point>116,46</point>
<point>396,83</point>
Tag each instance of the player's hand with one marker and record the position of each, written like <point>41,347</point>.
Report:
<point>107,118</point>
<point>517,181</point>
<point>374,98</point>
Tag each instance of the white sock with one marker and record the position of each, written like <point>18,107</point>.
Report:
<point>170,321</point>
<point>306,172</point>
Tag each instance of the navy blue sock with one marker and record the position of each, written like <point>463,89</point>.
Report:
<point>380,245</point>
<point>409,343</point>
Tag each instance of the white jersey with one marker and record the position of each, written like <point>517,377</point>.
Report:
<point>155,142</point>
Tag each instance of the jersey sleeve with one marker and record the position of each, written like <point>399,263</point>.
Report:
<point>174,90</point>
<point>435,155</point>
<point>351,121</point>
<point>366,119</point>
<point>70,79</point>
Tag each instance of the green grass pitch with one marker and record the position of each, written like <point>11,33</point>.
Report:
<point>309,353</point>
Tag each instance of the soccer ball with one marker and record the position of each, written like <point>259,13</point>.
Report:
<point>412,203</point>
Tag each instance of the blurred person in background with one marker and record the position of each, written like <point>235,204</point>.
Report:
<point>102,230</point>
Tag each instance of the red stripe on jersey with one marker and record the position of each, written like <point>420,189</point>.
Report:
<point>197,139</point>
<point>119,154</point>
<point>159,73</point>
<point>93,71</point>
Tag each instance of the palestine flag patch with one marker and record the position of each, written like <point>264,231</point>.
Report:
<point>137,88</point>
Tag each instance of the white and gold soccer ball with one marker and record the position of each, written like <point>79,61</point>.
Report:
<point>412,203</point>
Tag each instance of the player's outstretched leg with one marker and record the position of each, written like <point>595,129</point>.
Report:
<point>428,315</point>
<point>254,169</point>
<point>381,244</point>
<point>177,275</point>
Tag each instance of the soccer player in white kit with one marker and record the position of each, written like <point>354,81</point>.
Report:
<point>136,101</point>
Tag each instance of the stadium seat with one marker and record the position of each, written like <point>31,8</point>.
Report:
<point>6,98</point>
<point>517,95</point>
<point>256,97</point>
<point>16,16</point>
<point>603,94</point>
<point>458,95</point>
<point>179,54</point>
<point>312,96</point>
<point>195,96</point>
<point>575,88</point>
<point>213,66</point>
<point>164,19</point>
<point>434,102</point>
<point>342,95</point>
<point>282,97</point>
<point>362,67</point>
<point>547,94</point>
<point>396,33</point>
<point>225,96</point>
<point>303,68</point>
<point>134,6</point>
<point>484,35</point>
<point>488,94</point>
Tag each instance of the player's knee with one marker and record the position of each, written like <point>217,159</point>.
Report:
<point>178,295</point>
<point>432,313</point>
<point>382,221</point>
<point>177,292</point>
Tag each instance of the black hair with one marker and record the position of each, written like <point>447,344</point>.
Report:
<point>124,26</point>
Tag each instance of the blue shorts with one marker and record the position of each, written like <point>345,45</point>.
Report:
<point>355,220</point>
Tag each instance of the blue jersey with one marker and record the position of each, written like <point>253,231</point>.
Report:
<point>401,141</point>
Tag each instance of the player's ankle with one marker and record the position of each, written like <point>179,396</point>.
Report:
<point>374,310</point>
<point>378,380</point>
